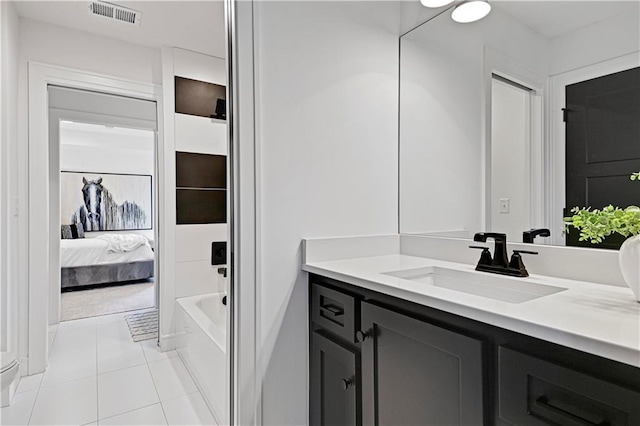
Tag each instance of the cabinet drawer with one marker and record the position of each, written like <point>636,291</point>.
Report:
<point>334,311</point>
<point>536,392</point>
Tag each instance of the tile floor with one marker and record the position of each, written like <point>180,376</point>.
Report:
<point>98,375</point>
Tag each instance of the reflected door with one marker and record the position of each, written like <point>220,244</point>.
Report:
<point>602,145</point>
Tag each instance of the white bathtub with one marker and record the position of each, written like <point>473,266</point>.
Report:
<point>201,343</point>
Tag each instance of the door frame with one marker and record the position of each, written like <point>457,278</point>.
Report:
<point>35,321</point>
<point>496,63</point>
<point>557,157</point>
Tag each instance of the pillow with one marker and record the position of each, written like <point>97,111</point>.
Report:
<point>79,230</point>
<point>65,232</point>
<point>71,232</point>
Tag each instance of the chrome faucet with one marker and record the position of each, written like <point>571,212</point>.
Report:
<point>499,263</point>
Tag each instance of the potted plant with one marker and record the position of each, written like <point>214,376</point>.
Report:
<point>594,225</point>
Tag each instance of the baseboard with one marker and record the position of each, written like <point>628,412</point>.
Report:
<point>24,366</point>
<point>168,342</point>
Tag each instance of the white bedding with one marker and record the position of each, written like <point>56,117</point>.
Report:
<point>93,251</point>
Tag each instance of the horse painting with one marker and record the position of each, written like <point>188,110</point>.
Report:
<point>101,213</point>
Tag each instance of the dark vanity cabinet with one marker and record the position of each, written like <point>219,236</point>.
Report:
<point>379,360</point>
<point>334,382</point>
<point>416,373</point>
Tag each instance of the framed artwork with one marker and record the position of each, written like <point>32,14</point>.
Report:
<point>106,201</point>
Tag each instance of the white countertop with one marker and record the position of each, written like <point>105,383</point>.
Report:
<point>599,319</point>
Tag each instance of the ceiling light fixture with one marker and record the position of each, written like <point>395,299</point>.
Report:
<point>471,11</point>
<point>435,3</point>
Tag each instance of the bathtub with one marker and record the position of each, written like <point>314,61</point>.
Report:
<point>201,340</point>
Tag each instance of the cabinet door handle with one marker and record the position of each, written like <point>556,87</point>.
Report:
<point>361,336</point>
<point>332,310</point>
<point>347,383</point>
<point>545,407</point>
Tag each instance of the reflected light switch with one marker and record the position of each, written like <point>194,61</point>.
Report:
<point>504,205</point>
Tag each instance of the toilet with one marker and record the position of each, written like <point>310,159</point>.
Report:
<point>9,377</point>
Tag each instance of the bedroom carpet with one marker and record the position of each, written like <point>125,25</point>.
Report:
<point>107,300</point>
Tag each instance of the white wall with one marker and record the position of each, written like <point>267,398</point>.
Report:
<point>9,278</point>
<point>92,148</point>
<point>443,106</point>
<point>509,158</point>
<point>442,119</point>
<point>51,44</point>
<point>106,151</point>
<point>327,134</point>
<point>599,42</point>
<point>57,45</point>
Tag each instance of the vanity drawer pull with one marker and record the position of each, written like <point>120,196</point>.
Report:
<point>543,405</point>
<point>332,310</point>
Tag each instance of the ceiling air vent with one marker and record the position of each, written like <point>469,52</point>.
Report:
<point>114,12</point>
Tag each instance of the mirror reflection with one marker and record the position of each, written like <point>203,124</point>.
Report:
<point>509,122</point>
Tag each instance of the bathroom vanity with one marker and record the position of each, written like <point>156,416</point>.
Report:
<point>408,333</point>
<point>392,343</point>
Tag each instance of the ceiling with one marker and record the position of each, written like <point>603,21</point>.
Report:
<point>192,25</point>
<point>555,18</point>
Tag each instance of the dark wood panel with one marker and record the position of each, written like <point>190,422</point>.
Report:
<point>334,383</point>
<point>622,375</point>
<point>602,130</point>
<point>201,170</point>
<point>195,97</point>
<point>599,193</point>
<point>415,373</point>
<point>196,206</point>
<point>534,392</point>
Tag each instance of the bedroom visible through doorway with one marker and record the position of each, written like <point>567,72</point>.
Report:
<point>106,176</point>
<point>107,267</point>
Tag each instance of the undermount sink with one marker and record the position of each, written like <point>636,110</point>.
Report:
<point>492,286</point>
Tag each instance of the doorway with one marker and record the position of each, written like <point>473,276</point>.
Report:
<point>102,166</point>
<point>515,165</point>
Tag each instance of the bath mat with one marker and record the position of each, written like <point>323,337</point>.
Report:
<point>143,326</point>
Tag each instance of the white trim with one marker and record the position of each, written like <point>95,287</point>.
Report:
<point>244,244</point>
<point>497,63</point>
<point>39,77</point>
<point>167,201</point>
<point>557,132</point>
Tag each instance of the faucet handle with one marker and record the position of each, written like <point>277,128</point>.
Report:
<point>517,263</point>
<point>524,252</point>
<point>485,256</point>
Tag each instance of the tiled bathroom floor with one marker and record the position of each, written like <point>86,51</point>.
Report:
<point>98,375</point>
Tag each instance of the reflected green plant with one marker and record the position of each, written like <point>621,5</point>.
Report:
<point>597,224</point>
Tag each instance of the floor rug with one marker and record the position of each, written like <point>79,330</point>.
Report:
<point>143,326</point>
<point>107,300</point>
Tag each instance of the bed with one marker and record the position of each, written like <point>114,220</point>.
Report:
<point>90,261</point>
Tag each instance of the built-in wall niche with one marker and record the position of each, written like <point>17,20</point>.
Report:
<point>201,188</point>
<point>195,97</point>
